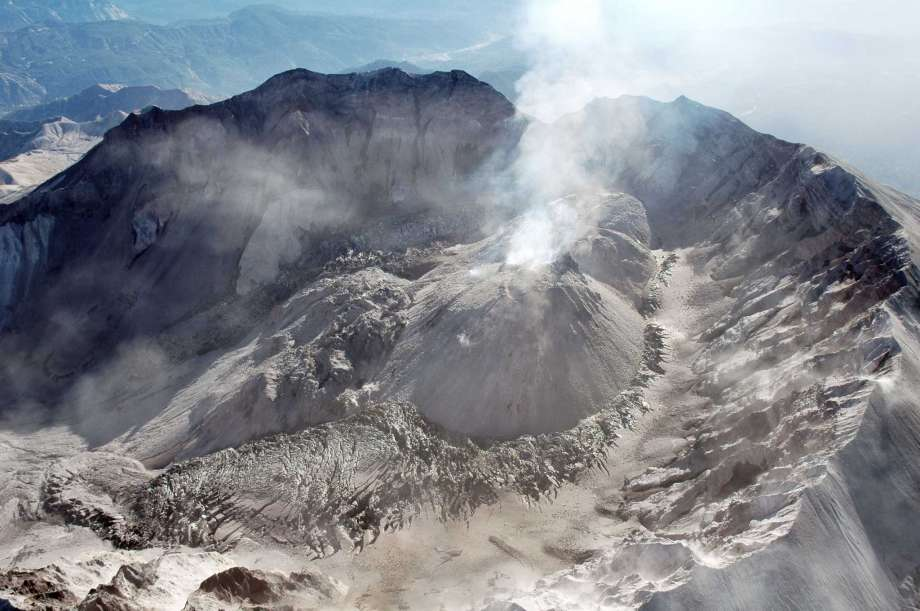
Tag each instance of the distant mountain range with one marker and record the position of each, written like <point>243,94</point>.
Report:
<point>380,64</point>
<point>493,12</point>
<point>100,100</point>
<point>15,14</point>
<point>204,46</point>
<point>37,143</point>
<point>218,57</point>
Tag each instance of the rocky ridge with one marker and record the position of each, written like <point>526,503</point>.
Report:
<point>769,333</point>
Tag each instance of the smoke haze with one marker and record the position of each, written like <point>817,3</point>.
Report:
<point>841,76</point>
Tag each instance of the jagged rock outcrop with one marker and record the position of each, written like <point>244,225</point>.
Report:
<point>41,589</point>
<point>122,593</point>
<point>162,583</point>
<point>240,588</point>
<point>87,490</point>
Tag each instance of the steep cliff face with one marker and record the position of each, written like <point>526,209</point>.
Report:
<point>24,252</point>
<point>178,212</point>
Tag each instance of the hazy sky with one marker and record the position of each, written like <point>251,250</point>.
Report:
<point>880,16</point>
<point>842,75</point>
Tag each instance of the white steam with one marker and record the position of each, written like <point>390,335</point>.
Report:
<point>568,43</point>
<point>841,75</point>
<point>545,233</point>
<point>846,87</point>
<point>576,55</point>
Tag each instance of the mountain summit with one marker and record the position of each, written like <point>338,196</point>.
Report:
<point>310,167</point>
<point>345,313</point>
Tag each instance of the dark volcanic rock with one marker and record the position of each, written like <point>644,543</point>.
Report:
<point>39,589</point>
<point>178,212</point>
<point>225,260</point>
<point>241,588</point>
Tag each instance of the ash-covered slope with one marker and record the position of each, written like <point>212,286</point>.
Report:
<point>792,322</point>
<point>496,347</point>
